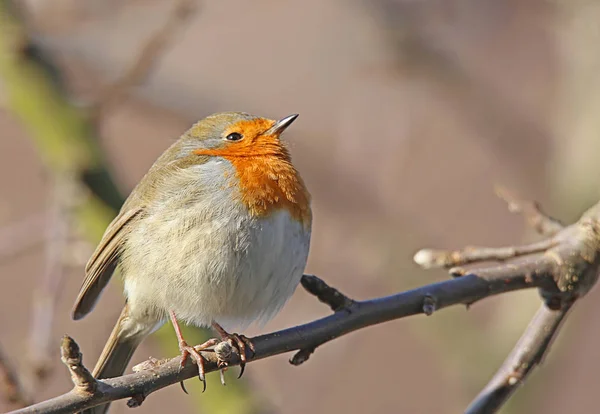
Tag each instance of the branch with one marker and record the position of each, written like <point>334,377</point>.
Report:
<point>16,238</point>
<point>10,386</point>
<point>359,314</point>
<point>65,195</point>
<point>82,378</point>
<point>146,59</point>
<point>526,355</point>
<point>532,212</point>
<point>575,252</point>
<point>563,267</point>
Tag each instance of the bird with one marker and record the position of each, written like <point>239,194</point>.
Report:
<point>216,234</point>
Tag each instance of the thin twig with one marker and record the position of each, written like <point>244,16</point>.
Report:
<point>146,60</point>
<point>82,378</point>
<point>16,238</point>
<point>63,197</point>
<point>336,300</point>
<point>575,250</point>
<point>526,355</point>
<point>531,210</point>
<point>10,386</point>
<point>431,258</point>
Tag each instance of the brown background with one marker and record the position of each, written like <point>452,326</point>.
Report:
<point>410,113</point>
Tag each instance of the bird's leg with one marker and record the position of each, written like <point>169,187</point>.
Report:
<point>240,342</point>
<point>192,351</point>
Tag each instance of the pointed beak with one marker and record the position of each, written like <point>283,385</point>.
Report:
<point>281,125</point>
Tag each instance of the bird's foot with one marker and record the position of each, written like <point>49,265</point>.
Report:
<point>194,353</point>
<point>237,341</point>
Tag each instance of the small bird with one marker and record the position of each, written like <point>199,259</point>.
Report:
<point>217,233</point>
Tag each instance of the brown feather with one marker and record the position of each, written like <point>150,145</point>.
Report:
<point>103,262</point>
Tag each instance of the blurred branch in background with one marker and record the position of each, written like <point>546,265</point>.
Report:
<point>10,385</point>
<point>454,49</point>
<point>574,169</point>
<point>83,191</point>
<point>565,267</point>
<point>575,252</point>
<point>415,31</point>
<point>21,236</point>
<point>64,198</point>
<point>147,58</point>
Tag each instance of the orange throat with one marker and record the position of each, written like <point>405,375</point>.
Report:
<point>268,182</point>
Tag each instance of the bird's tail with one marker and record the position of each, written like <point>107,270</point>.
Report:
<point>117,353</point>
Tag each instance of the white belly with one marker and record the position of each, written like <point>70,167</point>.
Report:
<point>224,266</point>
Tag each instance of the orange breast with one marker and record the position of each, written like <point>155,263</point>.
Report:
<point>269,184</point>
<point>268,181</point>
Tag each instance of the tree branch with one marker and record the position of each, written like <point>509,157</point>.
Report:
<point>16,238</point>
<point>65,194</point>
<point>564,268</point>
<point>146,59</point>
<point>359,314</point>
<point>575,252</point>
<point>10,387</point>
<point>526,355</point>
<point>532,212</point>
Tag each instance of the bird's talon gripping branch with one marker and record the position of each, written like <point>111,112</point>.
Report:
<point>237,341</point>
<point>191,351</point>
<point>224,352</point>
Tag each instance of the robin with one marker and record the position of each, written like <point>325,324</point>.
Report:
<point>216,234</point>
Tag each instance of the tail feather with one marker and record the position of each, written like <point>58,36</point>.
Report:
<point>116,355</point>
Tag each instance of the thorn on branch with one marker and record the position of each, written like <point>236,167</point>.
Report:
<point>83,379</point>
<point>336,300</point>
<point>302,356</point>
<point>535,217</point>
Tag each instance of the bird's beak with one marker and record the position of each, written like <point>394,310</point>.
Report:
<point>281,125</point>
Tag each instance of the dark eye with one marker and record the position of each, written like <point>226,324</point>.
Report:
<point>234,136</point>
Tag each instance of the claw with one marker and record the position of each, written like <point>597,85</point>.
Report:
<point>193,352</point>
<point>240,342</point>
<point>190,351</point>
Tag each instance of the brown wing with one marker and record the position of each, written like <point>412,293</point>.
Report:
<point>102,264</point>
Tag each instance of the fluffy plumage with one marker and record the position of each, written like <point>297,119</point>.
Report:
<point>217,231</point>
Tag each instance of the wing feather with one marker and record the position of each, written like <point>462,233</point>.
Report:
<point>103,262</point>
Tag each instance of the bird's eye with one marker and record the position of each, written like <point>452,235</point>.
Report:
<point>234,136</point>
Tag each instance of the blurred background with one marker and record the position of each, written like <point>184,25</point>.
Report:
<point>411,112</point>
